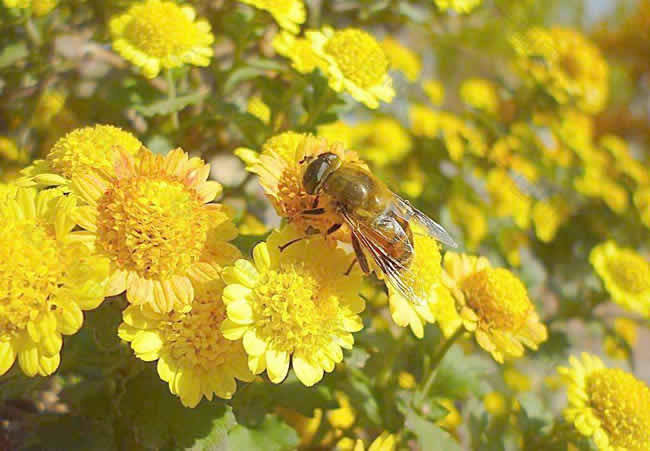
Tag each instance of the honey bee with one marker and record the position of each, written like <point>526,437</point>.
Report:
<point>381,222</point>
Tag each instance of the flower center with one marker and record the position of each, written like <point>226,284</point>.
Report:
<point>153,226</point>
<point>359,57</point>
<point>31,271</point>
<point>292,312</point>
<point>630,271</point>
<point>622,403</point>
<point>498,298</point>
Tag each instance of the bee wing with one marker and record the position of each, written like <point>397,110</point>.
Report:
<point>413,216</point>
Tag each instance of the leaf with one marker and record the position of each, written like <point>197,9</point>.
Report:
<point>240,75</point>
<point>12,53</point>
<point>272,435</point>
<point>159,144</point>
<point>459,375</point>
<point>428,433</point>
<point>168,106</point>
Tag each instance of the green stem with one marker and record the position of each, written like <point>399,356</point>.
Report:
<point>171,94</point>
<point>323,103</point>
<point>385,376</point>
<point>435,361</point>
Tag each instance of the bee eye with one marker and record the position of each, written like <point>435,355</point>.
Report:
<point>306,159</point>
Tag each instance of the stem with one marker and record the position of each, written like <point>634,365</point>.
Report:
<point>385,375</point>
<point>435,361</point>
<point>323,103</point>
<point>171,94</point>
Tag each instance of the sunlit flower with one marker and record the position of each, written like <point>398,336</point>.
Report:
<point>434,91</point>
<point>596,183</point>
<point>12,159</point>
<point>193,356</point>
<point>642,202</point>
<point>293,307</point>
<point>512,241</point>
<point>452,419</point>
<point>460,6</point>
<point>625,274</point>
<point>624,160</point>
<point>406,380</point>
<point>480,94</point>
<point>516,380</point>
<point>548,216</point>
<point>259,109</point>
<point>508,153</point>
<point>82,150</point>
<point>344,416</point>
<point>471,218</point>
<point>402,58</point>
<point>507,199</point>
<point>413,182</point>
<point>495,403</point>
<point>46,279</point>
<point>494,305</point>
<point>289,14</point>
<point>608,405</point>
<point>299,51</point>
<point>157,34</point>
<point>153,220</point>
<point>382,141</point>
<point>340,132</point>
<point>356,64</point>
<point>627,333</point>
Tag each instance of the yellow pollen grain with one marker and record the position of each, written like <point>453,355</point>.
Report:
<point>359,57</point>
<point>631,271</point>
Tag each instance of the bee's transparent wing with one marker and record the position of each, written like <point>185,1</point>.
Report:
<point>413,216</point>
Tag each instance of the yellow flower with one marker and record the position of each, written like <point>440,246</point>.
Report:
<point>384,442</point>
<point>38,7</point>
<point>250,225</point>
<point>82,150</point>
<point>434,91</point>
<point>624,160</point>
<point>299,51</point>
<point>10,154</point>
<point>480,94</point>
<point>193,356</point>
<point>295,307</point>
<point>157,34</point>
<point>596,183</point>
<point>289,14</point>
<point>507,199</point>
<point>511,242</point>
<point>414,180</point>
<point>626,275</point>
<point>516,380</point>
<point>382,141</point>
<point>452,419</point>
<point>355,62</point>
<point>460,6</point>
<point>402,58</point>
<point>344,416</point>
<point>153,220</point>
<point>471,219</point>
<point>46,279</point>
<point>406,380</point>
<point>49,105</point>
<point>495,403</point>
<point>642,202</point>
<point>609,405</point>
<point>340,132</point>
<point>548,216</point>
<point>627,331</point>
<point>494,305</point>
<point>565,64</point>
<point>259,109</point>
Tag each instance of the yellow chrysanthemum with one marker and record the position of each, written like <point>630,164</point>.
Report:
<point>516,380</point>
<point>340,132</point>
<point>299,51</point>
<point>157,34</point>
<point>457,136</point>
<point>623,159</point>
<point>460,6</point>
<point>494,305</point>
<point>480,94</point>
<point>280,171</point>
<point>46,279</point>
<point>508,152</point>
<point>626,275</point>
<point>193,356</point>
<point>595,182</point>
<point>434,91</point>
<point>289,14</point>
<point>627,330</point>
<point>344,416</point>
<point>382,141</point>
<point>642,202</point>
<point>355,62</point>
<point>153,220</point>
<point>259,109</point>
<point>11,157</point>
<point>82,150</point>
<point>548,216</point>
<point>471,219</point>
<point>608,405</point>
<point>406,380</point>
<point>565,65</point>
<point>402,58</point>
<point>295,307</point>
<point>507,199</point>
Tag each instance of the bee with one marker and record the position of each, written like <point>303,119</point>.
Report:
<point>382,224</point>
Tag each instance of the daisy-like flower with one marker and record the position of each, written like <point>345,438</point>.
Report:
<point>157,34</point>
<point>289,14</point>
<point>299,51</point>
<point>153,220</point>
<point>46,279</point>
<point>82,150</point>
<point>460,6</point>
<point>293,308</point>
<point>355,63</point>
<point>626,275</point>
<point>402,58</point>
<point>193,356</point>
<point>480,94</point>
<point>494,305</point>
<point>607,404</point>
<point>280,170</point>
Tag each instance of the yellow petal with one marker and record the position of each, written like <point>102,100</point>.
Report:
<point>306,372</point>
<point>116,283</point>
<point>28,360</point>
<point>234,293</point>
<point>70,318</point>
<point>240,311</point>
<point>7,356</point>
<point>253,344</point>
<point>146,343</point>
<point>277,364</point>
<point>232,330</point>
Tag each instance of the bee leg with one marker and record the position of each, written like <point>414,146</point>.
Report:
<point>313,211</point>
<point>333,229</point>
<point>349,270</point>
<point>361,258</point>
<point>289,243</point>
<point>314,204</point>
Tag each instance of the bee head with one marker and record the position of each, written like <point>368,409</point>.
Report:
<point>318,169</point>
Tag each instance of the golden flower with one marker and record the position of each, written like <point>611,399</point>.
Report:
<point>471,219</point>
<point>495,403</point>
<point>548,216</point>
<point>46,279</point>
<point>626,275</point>
<point>564,64</point>
<point>355,62</point>
<point>626,331</point>
<point>344,416</point>
<point>38,7</point>
<point>608,405</point>
<point>414,180</point>
<point>460,6</point>
<point>193,356</point>
<point>153,220</point>
<point>507,199</point>
<point>623,159</point>
<point>480,94</point>
<point>596,183</point>
<point>382,140</point>
<point>642,202</point>
<point>452,419</point>
<point>516,380</point>
<point>10,155</point>
<point>402,58</point>
<point>293,307</point>
<point>289,14</point>
<point>406,380</point>
<point>157,34</point>
<point>80,151</point>
<point>299,51</point>
<point>259,109</point>
<point>507,152</point>
<point>494,305</point>
<point>340,132</point>
<point>434,91</point>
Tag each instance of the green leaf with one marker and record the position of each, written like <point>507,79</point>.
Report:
<point>12,53</point>
<point>159,144</point>
<point>271,435</point>
<point>168,106</point>
<point>459,375</point>
<point>430,434</point>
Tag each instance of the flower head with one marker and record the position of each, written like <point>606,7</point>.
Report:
<point>625,338</point>
<point>289,14</point>
<point>494,305</point>
<point>471,218</point>
<point>299,51</point>
<point>382,141</point>
<point>507,199</point>
<point>548,216</point>
<point>293,307</point>
<point>460,6</point>
<point>609,405</point>
<point>384,442</point>
<point>626,275</point>
<point>355,62</point>
<point>435,91</point>
<point>480,94</point>
<point>259,109</point>
<point>402,58</point>
<point>153,220</point>
<point>46,279</point>
<point>156,34</point>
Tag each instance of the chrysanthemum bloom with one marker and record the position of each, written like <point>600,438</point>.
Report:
<point>299,51</point>
<point>480,94</point>
<point>565,64</point>
<point>193,356</point>
<point>280,171</point>
<point>597,183</point>
<point>296,307</point>
<point>460,6</point>
<point>289,14</point>
<point>402,58</point>
<point>626,275</point>
<point>434,91</point>
<point>355,63</point>
<point>548,216</point>
<point>627,331</point>
<point>607,404</point>
<point>494,305</point>
<point>82,150</point>
<point>471,218</point>
<point>642,202</point>
<point>46,279</point>
<point>159,34</point>
<point>153,220</point>
<point>507,199</point>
